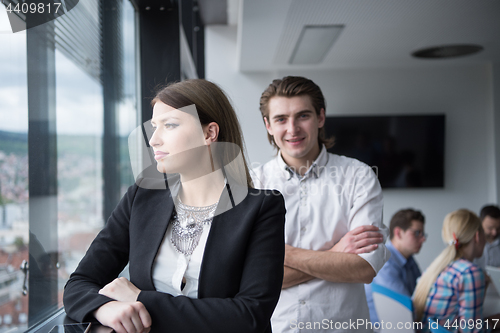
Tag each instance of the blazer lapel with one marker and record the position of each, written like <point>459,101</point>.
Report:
<point>222,229</point>
<point>154,232</point>
<point>214,250</point>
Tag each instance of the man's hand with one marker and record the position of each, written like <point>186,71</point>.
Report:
<point>124,317</point>
<point>362,239</point>
<point>121,289</point>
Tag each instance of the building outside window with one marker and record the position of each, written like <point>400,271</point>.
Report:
<point>56,151</point>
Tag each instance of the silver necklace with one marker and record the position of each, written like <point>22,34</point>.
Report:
<point>187,225</point>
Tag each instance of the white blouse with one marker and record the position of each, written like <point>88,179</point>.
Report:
<point>171,266</point>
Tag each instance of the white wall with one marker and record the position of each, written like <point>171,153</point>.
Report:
<point>243,89</point>
<point>464,94</point>
<point>495,83</point>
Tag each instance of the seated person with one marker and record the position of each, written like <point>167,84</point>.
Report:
<point>401,271</point>
<point>206,253</point>
<point>453,288</point>
<point>490,219</point>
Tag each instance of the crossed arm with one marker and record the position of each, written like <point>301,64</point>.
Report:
<point>125,314</point>
<point>339,264</point>
<point>245,300</point>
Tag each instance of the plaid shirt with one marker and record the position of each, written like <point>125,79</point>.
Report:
<point>457,294</point>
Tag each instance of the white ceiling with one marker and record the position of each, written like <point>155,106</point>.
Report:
<point>377,33</point>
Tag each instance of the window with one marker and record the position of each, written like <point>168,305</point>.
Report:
<point>68,100</point>
<point>13,173</point>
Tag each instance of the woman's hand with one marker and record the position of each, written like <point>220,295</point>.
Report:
<point>121,289</point>
<point>124,317</point>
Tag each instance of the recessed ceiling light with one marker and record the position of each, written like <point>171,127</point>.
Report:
<point>314,43</point>
<point>447,51</point>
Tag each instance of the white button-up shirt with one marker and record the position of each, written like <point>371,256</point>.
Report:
<point>336,195</point>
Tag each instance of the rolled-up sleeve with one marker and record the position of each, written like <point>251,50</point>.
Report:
<point>366,209</point>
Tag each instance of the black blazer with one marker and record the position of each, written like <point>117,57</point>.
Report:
<point>240,276</point>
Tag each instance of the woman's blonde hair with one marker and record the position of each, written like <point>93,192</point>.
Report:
<point>459,229</point>
<point>212,105</point>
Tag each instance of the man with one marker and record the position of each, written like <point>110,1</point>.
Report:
<point>401,271</point>
<point>490,219</point>
<point>334,206</point>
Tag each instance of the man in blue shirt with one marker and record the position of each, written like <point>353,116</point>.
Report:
<point>401,271</point>
<point>490,220</point>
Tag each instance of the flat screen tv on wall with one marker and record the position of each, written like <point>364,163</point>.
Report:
<point>405,151</point>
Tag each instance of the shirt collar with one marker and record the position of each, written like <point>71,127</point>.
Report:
<point>495,242</point>
<point>398,257</point>
<point>315,169</point>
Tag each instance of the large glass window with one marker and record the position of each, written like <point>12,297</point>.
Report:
<point>68,100</point>
<point>79,114</point>
<point>14,235</point>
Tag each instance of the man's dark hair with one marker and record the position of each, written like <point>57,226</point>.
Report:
<point>403,219</point>
<point>491,211</point>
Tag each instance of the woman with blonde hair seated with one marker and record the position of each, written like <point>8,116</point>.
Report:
<point>453,288</point>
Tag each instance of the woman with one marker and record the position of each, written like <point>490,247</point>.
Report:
<point>452,289</point>
<point>204,256</point>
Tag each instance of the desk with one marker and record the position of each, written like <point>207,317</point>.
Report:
<point>60,318</point>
